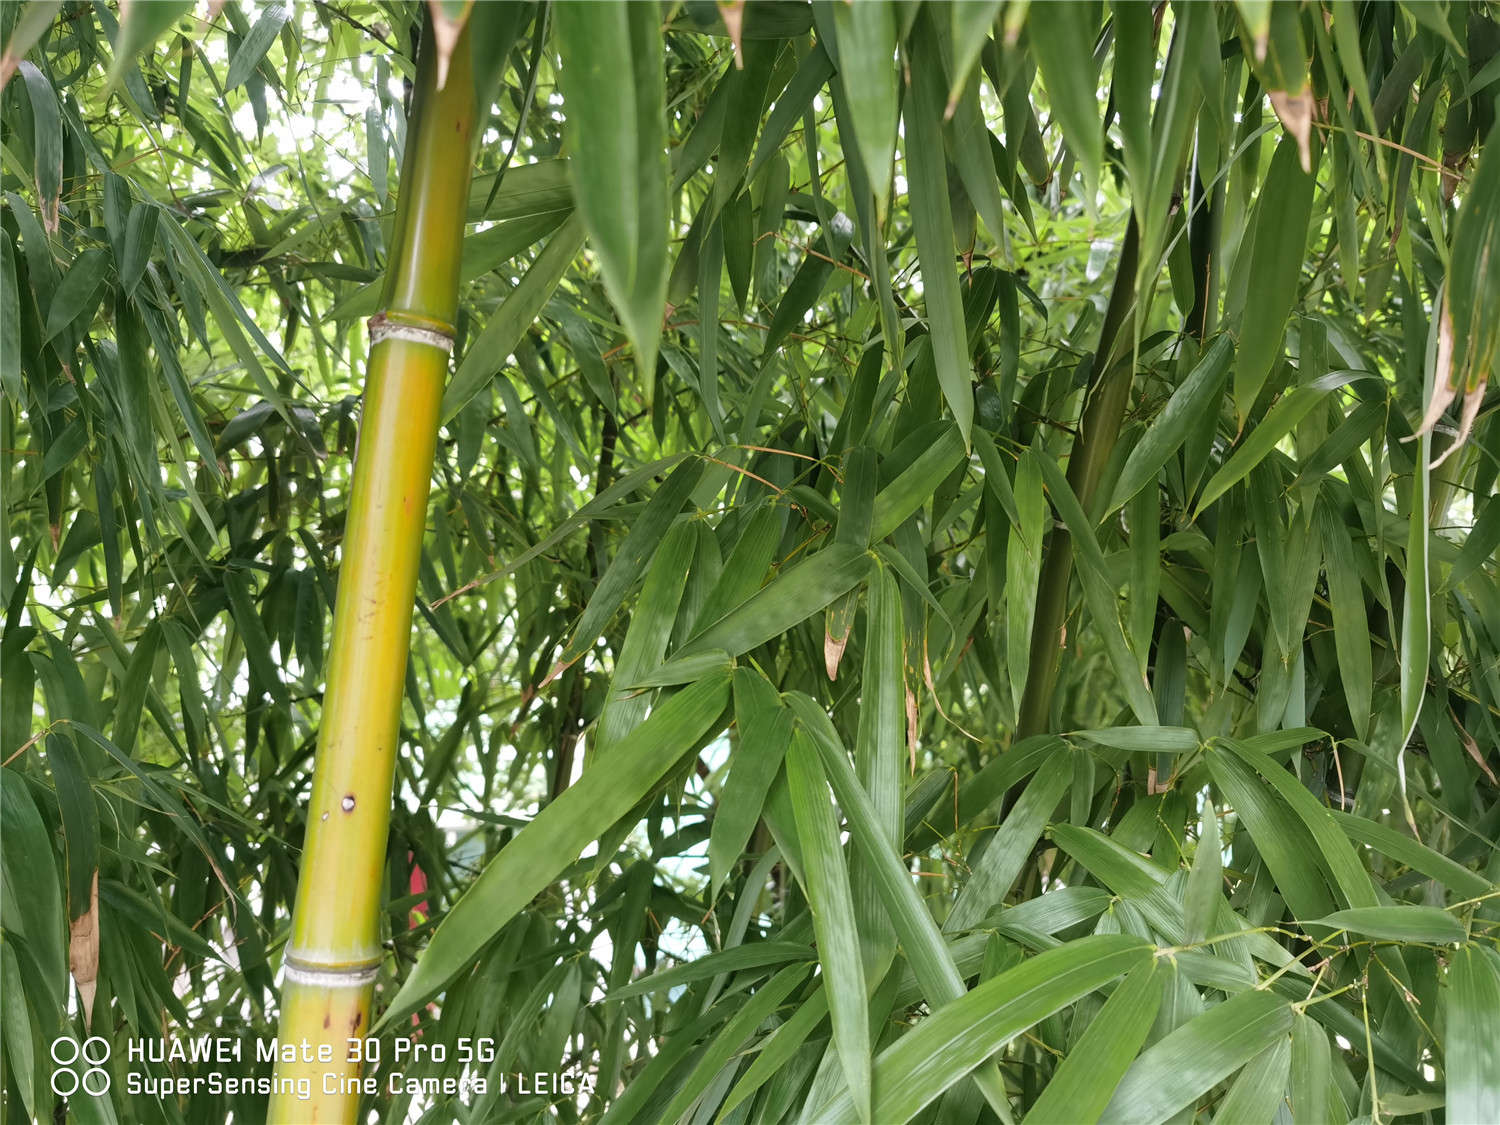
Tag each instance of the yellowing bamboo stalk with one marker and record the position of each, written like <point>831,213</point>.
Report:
<point>334,953</point>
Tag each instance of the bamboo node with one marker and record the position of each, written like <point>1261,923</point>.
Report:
<point>328,976</point>
<point>393,326</point>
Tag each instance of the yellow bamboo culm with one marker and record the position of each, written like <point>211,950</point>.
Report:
<point>334,953</point>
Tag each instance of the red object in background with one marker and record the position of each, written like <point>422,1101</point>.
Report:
<point>417,886</point>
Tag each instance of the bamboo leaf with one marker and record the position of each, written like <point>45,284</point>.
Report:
<point>794,596</point>
<point>765,727</point>
<point>1168,740</point>
<point>1023,568</point>
<point>1000,863</point>
<point>929,956</point>
<point>1063,41</point>
<point>80,821</point>
<point>1311,1071</point>
<point>647,637</point>
<point>47,141</point>
<point>866,41</point>
<point>913,485</point>
<point>827,883</point>
<point>1098,594</point>
<point>878,753</point>
<point>739,1027</point>
<point>614,94</point>
<point>630,560</point>
<point>1260,1088</point>
<point>752,955</point>
<point>1472,997</point>
<point>1125,872</point>
<point>1412,853</point>
<point>273,17</point>
<point>1279,238</point>
<point>1179,1069</point>
<point>557,834</point>
<point>1279,421</point>
<point>1351,628</point>
<point>1200,903</point>
<point>1184,411</point>
<point>932,221</point>
<point>514,317</point>
<point>31,879</point>
<point>916,1069</point>
<point>1398,923</point>
<point>1480,545</point>
<point>1081,1087</point>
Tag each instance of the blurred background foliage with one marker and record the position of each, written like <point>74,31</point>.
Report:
<point>1036,411</point>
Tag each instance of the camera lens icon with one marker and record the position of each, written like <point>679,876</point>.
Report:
<point>67,1081</point>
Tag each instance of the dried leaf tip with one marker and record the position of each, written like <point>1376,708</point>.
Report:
<point>448,19</point>
<point>733,14</point>
<point>1445,389</point>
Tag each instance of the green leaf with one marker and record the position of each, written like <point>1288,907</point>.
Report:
<point>997,867</point>
<point>1200,902</point>
<point>932,221</point>
<point>826,881</point>
<point>557,834</point>
<point>866,42</point>
<point>1282,841</point>
<point>1167,740</point>
<point>913,485</point>
<point>31,881</point>
<point>1081,1086</point>
<point>930,958</point>
<point>1176,1071</point>
<point>509,323</point>
<point>778,1049</point>
<point>1279,421</point>
<point>915,1070</point>
<point>765,727</point>
<point>1062,38</point>
<point>614,98</point>
<point>971,31</point>
<point>808,282</point>
<point>629,563</point>
<point>1279,239</point>
<point>791,598</point>
<point>647,637</point>
<point>1258,1092</point>
<point>80,820</point>
<point>1417,856</point>
<point>723,1046</point>
<point>1023,568</point>
<point>15,1019</point>
<point>752,955</point>
<point>1123,871</point>
<point>879,753</point>
<point>1311,1071</point>
<point>1481,545</point>
<point>78,295</point>
<point>1184,411</point>
<point>1351,622</point>
<point>253,48</point>
<point>1472,1003</point>
<point>1347,874</point>
<point>1399,923</point>
<point>1099,594</point>
<point>47,141</point>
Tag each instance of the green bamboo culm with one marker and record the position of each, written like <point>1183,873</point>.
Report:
<point>334,954</point>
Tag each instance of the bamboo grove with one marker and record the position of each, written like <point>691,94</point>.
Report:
<point>950,574</point>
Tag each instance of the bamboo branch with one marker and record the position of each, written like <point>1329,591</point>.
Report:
<point>1103,412</point>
